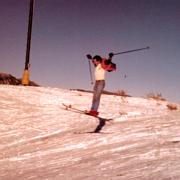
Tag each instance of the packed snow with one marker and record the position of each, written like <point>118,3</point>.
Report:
<point>40,139</point>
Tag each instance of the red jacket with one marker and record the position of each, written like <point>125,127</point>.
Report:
<point>106,64</point>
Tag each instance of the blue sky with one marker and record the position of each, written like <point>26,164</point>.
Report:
<point>65,31</point>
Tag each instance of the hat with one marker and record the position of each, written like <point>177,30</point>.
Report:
<point>97,58</point>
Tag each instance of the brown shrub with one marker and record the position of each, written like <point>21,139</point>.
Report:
<point>172,107</point>
<point>157,96</point>
<point>122,93</point>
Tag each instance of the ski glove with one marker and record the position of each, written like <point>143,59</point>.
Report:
<point>111,55</point>
<point>89,56</point>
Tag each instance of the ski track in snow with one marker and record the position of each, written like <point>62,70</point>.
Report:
<point>39,139</point>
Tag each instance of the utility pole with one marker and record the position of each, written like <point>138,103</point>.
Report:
<point>25,78</point>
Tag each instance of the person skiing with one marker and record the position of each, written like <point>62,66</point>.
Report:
<point>101,66</point>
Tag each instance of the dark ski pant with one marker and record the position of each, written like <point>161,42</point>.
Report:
<point>98,89</point>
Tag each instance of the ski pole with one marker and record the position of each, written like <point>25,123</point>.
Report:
<point>90,71</point>
<point>131,51</point>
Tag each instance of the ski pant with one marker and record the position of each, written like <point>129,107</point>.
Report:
<point>98,89</point>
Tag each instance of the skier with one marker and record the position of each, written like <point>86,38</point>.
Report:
<point>101,66</point>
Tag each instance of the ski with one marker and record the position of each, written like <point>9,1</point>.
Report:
<point>102,121</point>
<point>71,108</point>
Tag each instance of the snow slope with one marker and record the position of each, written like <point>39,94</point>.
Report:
<point>39,139</point>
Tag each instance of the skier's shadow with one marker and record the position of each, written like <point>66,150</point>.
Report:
<point>102,123</point>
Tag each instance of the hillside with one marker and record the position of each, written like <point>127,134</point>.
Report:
<point>40,140</point>
<point>11,80</point>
